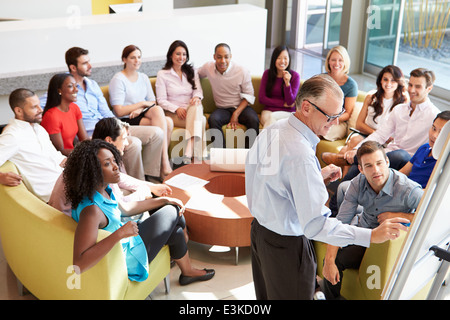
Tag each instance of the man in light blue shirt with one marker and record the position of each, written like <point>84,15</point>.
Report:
<point>286,194</point>
<point>143,154</point>
<point>92,104</point>
<point>382,193</point>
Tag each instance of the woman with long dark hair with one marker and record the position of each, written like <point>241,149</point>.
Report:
<point>179,93</point>
<point>133,101</point>
<point>279,87</point>
<point>90,169</point>
<point>62,118</point>
<point>390,92</point>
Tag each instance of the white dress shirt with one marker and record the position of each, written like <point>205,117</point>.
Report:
<point>285,189</point>
<point>230,87</point>
<point>409,132</point>
<point>29,147</point>
<point>375,124</point>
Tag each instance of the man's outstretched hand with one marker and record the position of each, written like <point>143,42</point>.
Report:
<point>388,230</point>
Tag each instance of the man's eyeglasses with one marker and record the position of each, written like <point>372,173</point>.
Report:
<point>329,118</point>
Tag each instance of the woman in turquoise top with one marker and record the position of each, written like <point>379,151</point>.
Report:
<point>337,65</point>
<point>90,168</point>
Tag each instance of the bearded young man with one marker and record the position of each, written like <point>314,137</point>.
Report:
<point>27,144</point>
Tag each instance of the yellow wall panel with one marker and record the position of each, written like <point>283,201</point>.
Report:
<point>102,6</point>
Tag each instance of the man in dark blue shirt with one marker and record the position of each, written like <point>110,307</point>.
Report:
<point>421,165</point>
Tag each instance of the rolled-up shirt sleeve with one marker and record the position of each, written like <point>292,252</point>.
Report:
<point>247,91</point>
<point>102,104</point>
<point>198,92</point>
<point>313,215</point>
<point>338,234</point>
<point>414,197</point>
<point>347,210</point>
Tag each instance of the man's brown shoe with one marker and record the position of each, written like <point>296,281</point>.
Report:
<point>334,158</point>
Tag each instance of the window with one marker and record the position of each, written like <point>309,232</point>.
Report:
<point>410,34</point>
<point>318,30</point>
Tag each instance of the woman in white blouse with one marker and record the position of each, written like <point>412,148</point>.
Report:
<point>179,93</point>
<point>390,92</point>
<point>133,101</point>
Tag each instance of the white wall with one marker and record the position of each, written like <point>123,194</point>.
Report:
<point>32,9</point>
<point>157,5</point>
<point>35,46</point>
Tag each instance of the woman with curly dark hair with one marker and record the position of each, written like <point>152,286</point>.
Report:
<point>90,168</point>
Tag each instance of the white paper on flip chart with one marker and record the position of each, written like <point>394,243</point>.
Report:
<point>185,181</point>
<point>203,200</point>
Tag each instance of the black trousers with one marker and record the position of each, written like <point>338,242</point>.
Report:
<point>220,117</point>
<point>349,257</point>
<point>284,267</point>
<point>164,226</point>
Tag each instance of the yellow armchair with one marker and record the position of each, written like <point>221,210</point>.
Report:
<point>37,242</point>
<point>368,282</point>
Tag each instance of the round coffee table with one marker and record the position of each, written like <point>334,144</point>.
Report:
<point>226,224</point>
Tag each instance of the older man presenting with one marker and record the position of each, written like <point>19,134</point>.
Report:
<point>286,194</point>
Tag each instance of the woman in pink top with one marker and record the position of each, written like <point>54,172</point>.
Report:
<point>62,118</point>
<point>179,93</point>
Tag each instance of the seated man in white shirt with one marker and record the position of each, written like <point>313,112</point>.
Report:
<point>10,179</point>
<point>25,143</point>
<point>408,124</point>
<point>233,93</point>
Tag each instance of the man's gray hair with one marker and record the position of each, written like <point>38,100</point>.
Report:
<point>318,87</point>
